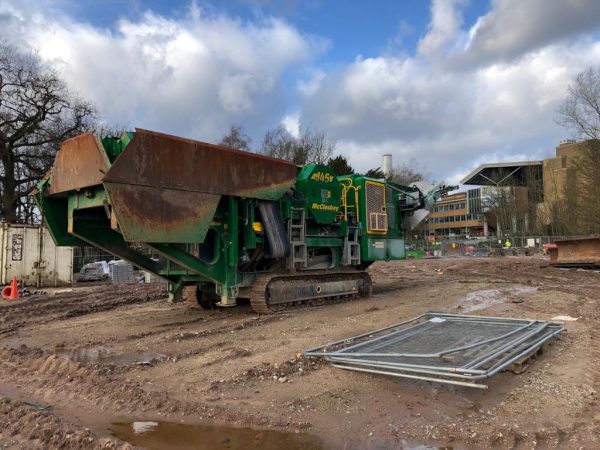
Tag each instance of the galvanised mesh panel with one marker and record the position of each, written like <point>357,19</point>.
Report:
<point>377,219</point>
<point>436,337</point>
<point>391,217</point>
<point>441,347</point>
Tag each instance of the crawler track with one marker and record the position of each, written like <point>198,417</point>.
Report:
<point>272,293</point>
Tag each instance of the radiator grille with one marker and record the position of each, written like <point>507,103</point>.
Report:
<point>391,217</point>
<point>377,217</point>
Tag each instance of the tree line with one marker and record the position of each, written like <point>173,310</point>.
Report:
<point>313,146</point>
<point>37,113</point>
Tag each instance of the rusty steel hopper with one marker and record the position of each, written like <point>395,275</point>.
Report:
<point>576,252</point>
<point>163,188</point>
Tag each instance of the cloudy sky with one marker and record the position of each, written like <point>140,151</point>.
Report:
<point>449,84</point>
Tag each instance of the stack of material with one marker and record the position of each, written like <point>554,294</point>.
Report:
<point>446,348</point>
<point>121,272</point>
<point>149,277</point>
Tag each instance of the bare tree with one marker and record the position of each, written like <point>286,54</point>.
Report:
<point>515,210</point>
<point>404,174</point>
<point>314,146</point>
<point>588,173</point>
<point>500,205</point>
<point>407,174</point>
<point>310,147</point>
<point>279,143</point>
<point>580,113</point>
<point>104,130</point>
<point>37,113</point>
<point>236,138</point>
<point>557,214</point>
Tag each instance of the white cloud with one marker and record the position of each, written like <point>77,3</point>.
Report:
<point>452,117</point>
<point>466,96</point>
<point>446,22</point>
<point>514,27</point>
<point>291,122</point>
<point>195,75</point>
<point>310,85</point>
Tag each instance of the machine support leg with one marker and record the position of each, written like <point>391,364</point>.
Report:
<point>175,291</point>
<point>228,290</point>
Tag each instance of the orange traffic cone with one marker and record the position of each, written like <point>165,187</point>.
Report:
<point>11,292</point>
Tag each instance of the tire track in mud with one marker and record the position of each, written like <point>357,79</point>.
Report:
<point>227,328</point>
<point>124,393</point>
<point>225,324</point>
<point>39,310</point>
<point>69,383</point>
<point>23,425</point>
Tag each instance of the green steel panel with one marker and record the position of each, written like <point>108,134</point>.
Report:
<point>380,249</point>
<point>396,249</point>
<point>319,241</point>
<point>375,249</point>
<point>216,272</point>
<point>55,212</point>
<point>114,146</point>
<point>322,190</point>
<point>91,198</point>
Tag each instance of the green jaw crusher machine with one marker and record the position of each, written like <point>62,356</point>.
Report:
<point>226,224</point>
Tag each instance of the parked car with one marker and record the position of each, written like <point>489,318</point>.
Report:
<point>96,271</point>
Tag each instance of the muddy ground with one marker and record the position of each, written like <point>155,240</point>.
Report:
<point>75,363</point>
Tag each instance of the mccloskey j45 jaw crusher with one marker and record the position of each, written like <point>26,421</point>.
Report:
<point>226,224</point>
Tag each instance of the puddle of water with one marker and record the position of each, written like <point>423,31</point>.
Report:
<point>101,354</point>
<point>143,427</point>
<point>169,435</point>
<point>474,301</point>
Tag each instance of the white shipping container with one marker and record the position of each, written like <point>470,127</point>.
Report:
<point>28,253</point>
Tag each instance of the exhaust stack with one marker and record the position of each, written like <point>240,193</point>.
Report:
<point>387,164</point>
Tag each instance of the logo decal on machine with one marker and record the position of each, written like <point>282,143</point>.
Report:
<point>324,207</point>
<point>322,176</point>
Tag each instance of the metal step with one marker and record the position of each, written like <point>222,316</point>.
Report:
<point>351,249</point>
<point>296,233</point>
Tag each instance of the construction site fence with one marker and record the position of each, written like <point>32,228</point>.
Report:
<point>490,246</point>
<point>441,246</point>
<point>87,255</point>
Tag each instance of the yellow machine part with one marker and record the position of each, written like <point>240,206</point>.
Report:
<point>257,227</point>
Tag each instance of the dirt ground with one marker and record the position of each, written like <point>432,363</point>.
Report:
<point>75,363</point>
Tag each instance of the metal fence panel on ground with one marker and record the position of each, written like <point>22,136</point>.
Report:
<point>447,348</point>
